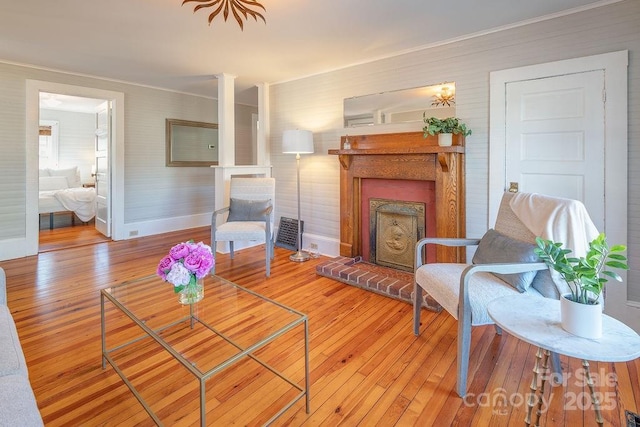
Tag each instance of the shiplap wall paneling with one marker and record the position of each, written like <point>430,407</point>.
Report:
<point>315,103</point>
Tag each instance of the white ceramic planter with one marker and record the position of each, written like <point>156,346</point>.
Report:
<point>445,139</point>
<point>583,320</point>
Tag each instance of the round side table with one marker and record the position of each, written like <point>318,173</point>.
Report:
<point>536,321</point>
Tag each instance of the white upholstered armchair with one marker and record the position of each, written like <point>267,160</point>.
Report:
<point>250,216</point>
<point>504,264</point>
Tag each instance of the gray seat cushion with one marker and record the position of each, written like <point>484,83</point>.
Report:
<point>241,230</point>
<point>483,287</point>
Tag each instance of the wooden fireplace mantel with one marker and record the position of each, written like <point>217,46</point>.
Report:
<point>402,156</point>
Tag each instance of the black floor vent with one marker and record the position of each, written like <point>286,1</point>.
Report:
<point>288,233</point>
<point>633,420</point>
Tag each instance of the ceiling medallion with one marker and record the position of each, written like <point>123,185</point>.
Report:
<point>445,97</point>
<point>239,8</point>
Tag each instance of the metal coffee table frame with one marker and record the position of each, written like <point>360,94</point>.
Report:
<point>106,294</point>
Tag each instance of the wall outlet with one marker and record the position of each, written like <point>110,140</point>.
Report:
<point>133,233</point>
<point>313,250</point>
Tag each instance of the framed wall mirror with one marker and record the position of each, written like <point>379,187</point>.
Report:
<point>191,143</point>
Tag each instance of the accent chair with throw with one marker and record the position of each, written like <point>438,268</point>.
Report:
<point>250,216</point>
<point>504,264</point>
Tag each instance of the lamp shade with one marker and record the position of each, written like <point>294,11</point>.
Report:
<point>297,141</point>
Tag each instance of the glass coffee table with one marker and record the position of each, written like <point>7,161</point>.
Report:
<point>166,352</point>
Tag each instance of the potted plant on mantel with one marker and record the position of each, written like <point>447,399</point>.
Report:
<point>444,128</point>
<point>581,310</point>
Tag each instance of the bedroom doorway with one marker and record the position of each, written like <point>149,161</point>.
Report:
<point>69,131</point>
<point>86,173</point>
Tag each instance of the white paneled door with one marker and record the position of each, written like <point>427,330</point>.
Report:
<point>555,138</point>
<point>103,175</point>
<point>564,135</point>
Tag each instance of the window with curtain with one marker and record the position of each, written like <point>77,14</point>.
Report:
<point>48,144</point>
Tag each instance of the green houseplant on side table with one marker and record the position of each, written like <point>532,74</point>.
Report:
<point>581,310</point>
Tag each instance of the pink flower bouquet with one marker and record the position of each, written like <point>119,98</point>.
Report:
<point>185,264</point>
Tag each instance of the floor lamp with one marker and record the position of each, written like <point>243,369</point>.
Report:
<point>298,142</point>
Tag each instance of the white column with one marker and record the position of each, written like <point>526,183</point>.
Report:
<point>264,147</point>
<point>226,120</point>
<point>227,168</point>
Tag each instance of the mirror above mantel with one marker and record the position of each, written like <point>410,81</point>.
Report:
<point>400,106</point>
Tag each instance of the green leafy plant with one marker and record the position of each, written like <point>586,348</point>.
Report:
<point>434,125</point>
<point>587,275</point>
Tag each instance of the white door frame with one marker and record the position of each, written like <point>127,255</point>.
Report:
<point>102,177</point>
<point>33,89</point>
<point>615,66</point>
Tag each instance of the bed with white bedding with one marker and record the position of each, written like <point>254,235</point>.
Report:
<point>61,191</point>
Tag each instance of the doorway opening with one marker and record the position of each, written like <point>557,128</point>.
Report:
<point>68,129</point>
<point>90,169</point>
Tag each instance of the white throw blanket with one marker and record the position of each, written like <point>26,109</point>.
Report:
<point>559,220</point>
<point>79,200</point>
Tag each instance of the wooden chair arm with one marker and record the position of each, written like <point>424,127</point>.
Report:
<point>445,241</point>
<point>220,211</point>
<point>267,214</point>
<point>464,314</point>
<point>503,268</point>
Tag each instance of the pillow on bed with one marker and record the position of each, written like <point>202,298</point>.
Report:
<point>49,183</point>
<point>72,175</point>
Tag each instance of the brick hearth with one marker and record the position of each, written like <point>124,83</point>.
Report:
<point>382,280</point>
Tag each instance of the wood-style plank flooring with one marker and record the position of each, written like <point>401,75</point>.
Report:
<point>70,237</point>
<point>367,367</point>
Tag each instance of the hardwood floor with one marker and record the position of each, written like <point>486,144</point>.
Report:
<point>70,236</point>
<point>367,367</point>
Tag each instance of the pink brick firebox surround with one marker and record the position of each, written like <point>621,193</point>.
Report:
<point>382,280</point>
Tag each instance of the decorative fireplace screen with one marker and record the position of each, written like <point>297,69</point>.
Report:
<point>395,227</point>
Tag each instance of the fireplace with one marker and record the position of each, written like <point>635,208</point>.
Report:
<point>394,229</point>
<point>399,200</point>
<point>403,161</point>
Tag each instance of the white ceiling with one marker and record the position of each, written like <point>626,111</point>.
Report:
<point>161,43</point>
<point>55,101</point>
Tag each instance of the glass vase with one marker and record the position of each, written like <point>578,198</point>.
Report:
<point>192,293</point>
